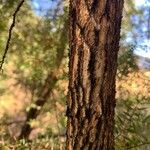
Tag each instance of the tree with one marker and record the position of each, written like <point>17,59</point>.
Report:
<point>49,29</point>
<point>94,44</point>
<point>47,88</point>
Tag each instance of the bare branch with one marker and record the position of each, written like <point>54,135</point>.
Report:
<point>10,34</point>
<point>139,145</point>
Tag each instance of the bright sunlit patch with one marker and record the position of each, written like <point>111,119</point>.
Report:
<point>144,49</point>
<point>36,5</point>
<point>142,2</point>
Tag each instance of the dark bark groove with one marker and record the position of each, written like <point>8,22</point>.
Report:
<point>94,44</point>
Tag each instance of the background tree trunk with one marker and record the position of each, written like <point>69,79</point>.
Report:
<point>94,44</point>
<point>50,82</point>
<point>48,86</point>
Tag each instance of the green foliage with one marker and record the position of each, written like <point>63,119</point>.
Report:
<point>39,46</point>
<point>127,61</point>
<point>132,124</point>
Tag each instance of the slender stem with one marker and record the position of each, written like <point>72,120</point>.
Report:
<point>10,34</point>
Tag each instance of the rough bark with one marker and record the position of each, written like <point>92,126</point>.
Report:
<point>94,44</point>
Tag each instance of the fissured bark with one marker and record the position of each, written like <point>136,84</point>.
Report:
<point>94,44</point>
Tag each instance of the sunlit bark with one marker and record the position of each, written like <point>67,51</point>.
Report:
<point>94,44</point>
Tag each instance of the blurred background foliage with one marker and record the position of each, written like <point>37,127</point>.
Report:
<point>36,70</point>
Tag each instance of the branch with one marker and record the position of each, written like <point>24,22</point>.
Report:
<point>8,123</point>
<point>142,144</point>
<point>10,34</point>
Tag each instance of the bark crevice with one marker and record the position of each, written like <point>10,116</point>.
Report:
<point>94,43</point>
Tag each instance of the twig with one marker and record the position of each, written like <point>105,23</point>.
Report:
<point>12,122</point>
<point>10,34</point>
<point>142,144</point>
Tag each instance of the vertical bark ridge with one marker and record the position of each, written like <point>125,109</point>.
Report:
<point>94,44</point>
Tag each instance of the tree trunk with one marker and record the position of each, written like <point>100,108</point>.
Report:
<point>94,44</point>
<point>33,112</point>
